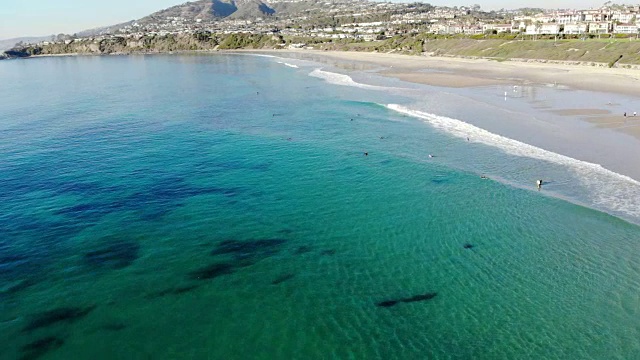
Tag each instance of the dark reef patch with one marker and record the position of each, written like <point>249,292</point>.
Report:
<point>173,291</point>
<point>60,315</point>
<point>211,271</point>
<point>89,212</point>
<point>157,199</point>
<point>40,347</point>
<point>415,298</point>
<point>10,262</point>
<point>422,297</point>
<point>18,261</point>
<point>282,278</point>
<point>439,180</point>
<point>237,254</point>
<point>468,246</point>
<point>116,255</point>
<point>82,188</point>
<point>252,250</point>
<point>184,289</point>
<point>387,303</point>
<point>303,250</point>
<point>15,286</point>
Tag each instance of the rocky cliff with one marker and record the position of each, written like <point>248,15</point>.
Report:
<point>151,44</point>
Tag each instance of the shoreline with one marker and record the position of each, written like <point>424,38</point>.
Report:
<point>485,72</point>
<point>589,130</point>
<point>482,71</point>
<point>462,73</point>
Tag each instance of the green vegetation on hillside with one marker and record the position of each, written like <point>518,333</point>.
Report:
<point>613,51</point>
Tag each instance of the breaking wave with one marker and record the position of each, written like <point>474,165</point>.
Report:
<point>607,189</point>
<point>345,80</point>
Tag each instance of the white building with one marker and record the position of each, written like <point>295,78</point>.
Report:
<point>502,28</point>
<point>569,18</point>
<point>531,30</point>
<point>551,29</point>
<point>626,29</point>
<point>624,17</point>
<point>599,27</point>
<point>575,29</point>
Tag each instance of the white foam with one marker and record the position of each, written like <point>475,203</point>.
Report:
<point>259,55</point>
<point>608,189</point>
<point>344,80</point>
<point>287,64</point>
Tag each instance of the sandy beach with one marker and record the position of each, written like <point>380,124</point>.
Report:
<point>599,97</point>
<point>460,72</point>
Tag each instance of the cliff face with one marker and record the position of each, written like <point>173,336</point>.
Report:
<point>621,54</point>
<point>152,44</point>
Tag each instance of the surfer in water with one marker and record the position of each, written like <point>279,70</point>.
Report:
<point>539,184</point>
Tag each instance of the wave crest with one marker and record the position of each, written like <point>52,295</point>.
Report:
<point>344,80</point>
<point>608,190</point>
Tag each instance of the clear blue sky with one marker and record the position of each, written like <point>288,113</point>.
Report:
<point>45,17</point>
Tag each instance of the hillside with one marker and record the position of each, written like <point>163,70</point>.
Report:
<point>612,53</point>
<point>210,10</point>
<point>9,43</point>
<point>346,25</point>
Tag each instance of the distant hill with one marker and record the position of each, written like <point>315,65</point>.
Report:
<point>217,10</point>
<point>10,43</point>
<point>209,10</point>
<point>103,30</point>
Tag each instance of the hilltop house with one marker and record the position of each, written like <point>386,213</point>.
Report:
<point>543,29</point>
<point>601,27</point>
<point>624,17</point>
<point>500,28</point>
<point>569,18</point>
<point>575,29</point>
<point>625,29</point>
<point>595,16</point>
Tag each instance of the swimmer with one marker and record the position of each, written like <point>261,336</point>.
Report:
<point>467,139</point>
<point>366,154</point>
<point>430,156</point>
<point>483,177</point>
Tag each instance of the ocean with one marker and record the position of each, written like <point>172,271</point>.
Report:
<point>255,207</point>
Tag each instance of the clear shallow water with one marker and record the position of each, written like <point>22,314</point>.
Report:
<point>222,207</point>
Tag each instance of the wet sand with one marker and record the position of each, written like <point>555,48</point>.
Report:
<point>600,97</point>
<point>459,72</point>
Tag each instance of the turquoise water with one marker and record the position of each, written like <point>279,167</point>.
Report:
<point>222,207</point>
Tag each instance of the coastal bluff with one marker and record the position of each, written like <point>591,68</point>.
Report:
<point>620,53</point>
